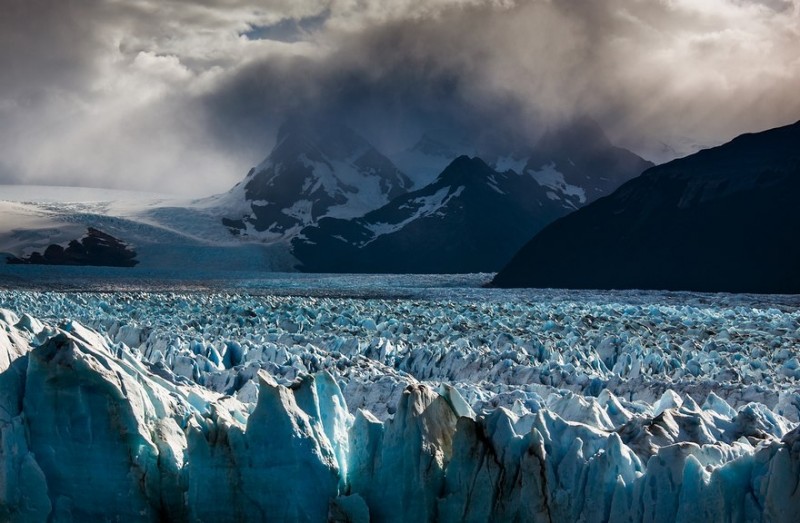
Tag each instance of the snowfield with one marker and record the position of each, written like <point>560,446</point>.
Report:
<point>166,232</point>
<point>446,404</point>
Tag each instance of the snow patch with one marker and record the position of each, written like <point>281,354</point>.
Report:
<point>551,178</point>
<point>422,207</point>
<point>509,163</point>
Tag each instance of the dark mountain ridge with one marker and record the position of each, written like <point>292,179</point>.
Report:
<point>723,219</point>
<point>471,219</point>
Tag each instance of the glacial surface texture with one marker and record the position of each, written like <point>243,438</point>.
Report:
<point>536,406</point>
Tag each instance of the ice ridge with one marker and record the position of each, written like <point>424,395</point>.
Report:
<point>93,426</point>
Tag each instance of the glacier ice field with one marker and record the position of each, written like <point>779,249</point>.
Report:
<point>451,403</point>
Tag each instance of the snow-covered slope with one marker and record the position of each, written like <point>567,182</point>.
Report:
<point>166,233</point>
<point>471,219</point>
<point>316,169</point>
<point>50,193</point>
<point>231,408</point>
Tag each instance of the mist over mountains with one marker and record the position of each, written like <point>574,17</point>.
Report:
<point>345,207</point>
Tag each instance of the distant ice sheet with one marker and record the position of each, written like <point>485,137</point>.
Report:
<point>49,193</point>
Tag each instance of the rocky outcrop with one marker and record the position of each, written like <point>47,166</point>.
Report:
<point>96,248</point>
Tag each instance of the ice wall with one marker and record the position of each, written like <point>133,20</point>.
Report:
<point>91,430</point>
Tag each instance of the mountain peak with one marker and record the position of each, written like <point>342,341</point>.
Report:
<point>318,167</point>
<point>466,170</point>
<point>315,135</point>
<point>466,162</point>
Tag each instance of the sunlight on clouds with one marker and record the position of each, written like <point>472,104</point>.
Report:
<point>123,93</point>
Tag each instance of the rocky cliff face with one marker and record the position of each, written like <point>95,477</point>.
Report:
<point>316,169</point>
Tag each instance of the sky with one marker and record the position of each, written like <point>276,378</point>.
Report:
<point>183,97</point>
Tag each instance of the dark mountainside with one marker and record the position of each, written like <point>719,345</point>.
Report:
<point>724,219</point>
<point>471,219</point>
<point>96,249</point>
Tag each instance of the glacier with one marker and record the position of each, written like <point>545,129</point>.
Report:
<point>528,406</point>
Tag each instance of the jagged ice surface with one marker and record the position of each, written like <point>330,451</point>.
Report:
<point>215,407</point>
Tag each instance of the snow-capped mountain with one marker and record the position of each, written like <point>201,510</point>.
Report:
<point>471,219</point>
<point>316,169</point>
<point>713,221</point>
<point>474,216</point>
<point>323,171</point>
<point>576,163</point>
<point>579,164</point>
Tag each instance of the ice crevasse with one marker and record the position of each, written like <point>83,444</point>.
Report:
<point>90,431</point>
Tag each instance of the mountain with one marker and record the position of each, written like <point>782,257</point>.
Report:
<point>471,219</point>
<point>580,164</point>
<point>316,169</point>
<point>575,162</point>
<point>474,215</point>
<point>723,219</point>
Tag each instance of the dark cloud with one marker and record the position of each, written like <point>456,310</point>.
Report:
<point>393,81</point>
<point>179,94</point>
<point>649,72</point>
<point>44,46</point>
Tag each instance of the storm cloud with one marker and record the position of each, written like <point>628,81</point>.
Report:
<point>184,97</point>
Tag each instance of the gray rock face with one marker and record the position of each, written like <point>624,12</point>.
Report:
<point>97,248</point>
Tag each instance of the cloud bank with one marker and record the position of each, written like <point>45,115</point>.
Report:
<point>184,97</point>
